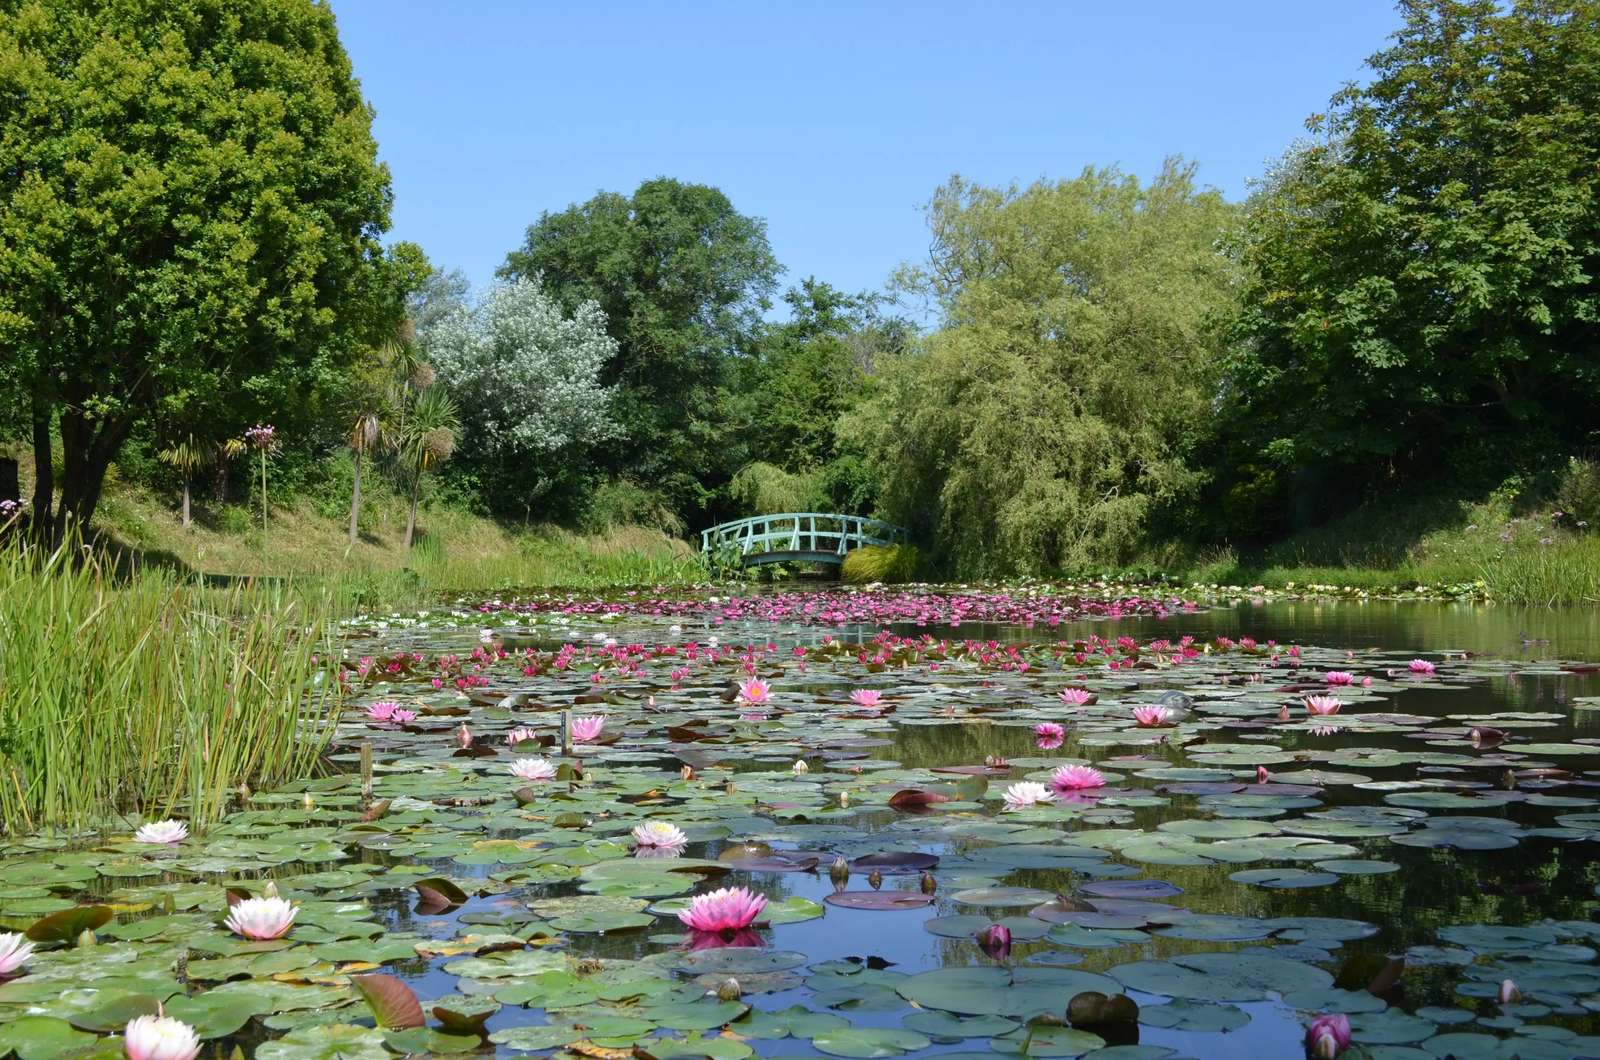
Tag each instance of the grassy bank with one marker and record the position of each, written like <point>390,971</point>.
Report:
<point>135,699</point>
<point>1448,547</point>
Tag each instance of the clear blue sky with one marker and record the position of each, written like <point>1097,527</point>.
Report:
<point>832,120</point>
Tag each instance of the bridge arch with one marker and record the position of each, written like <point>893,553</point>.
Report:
<point>798,537</point>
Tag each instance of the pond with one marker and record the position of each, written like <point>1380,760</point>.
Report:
<point>889,772</point>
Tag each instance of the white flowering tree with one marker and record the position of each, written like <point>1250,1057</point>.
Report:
<point>526,379</point>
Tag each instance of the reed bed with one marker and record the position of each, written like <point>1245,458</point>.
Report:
<point>130,698</point>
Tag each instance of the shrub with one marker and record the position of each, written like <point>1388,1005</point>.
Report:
<point>1578,493</point>
<point>880,563</point>
<point>234,519</point>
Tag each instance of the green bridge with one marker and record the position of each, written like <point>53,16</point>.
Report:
<point>798,537</point>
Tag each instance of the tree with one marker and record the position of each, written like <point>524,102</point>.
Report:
<point>189,209</point>
<point>1055,409</point>
<point>1423,293</point>
<point>682,279</point>
<point>430,437</point>
<point>526,379</point>
<point>366,434</point>
<point>185,457</point>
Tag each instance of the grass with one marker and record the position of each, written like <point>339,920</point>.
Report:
<point>1487,548</point>
<point>133,699</point>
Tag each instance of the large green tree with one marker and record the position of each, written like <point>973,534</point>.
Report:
<point>682,278</point>
<point>190,203</point>
<point>1424,289</point>
<point>1057,406</point>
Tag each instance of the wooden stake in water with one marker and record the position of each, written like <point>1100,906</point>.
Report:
<point>566,732</point>
<point>366,773</point>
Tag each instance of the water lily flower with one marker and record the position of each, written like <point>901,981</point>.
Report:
<point>1339,677</point>
<point>1027,793</point>
<point>1075,697</point>
<point>1283,712</point>
<point>754,692</point>
<point>15,949</point>
<point>159,1038</point>
<point>1328,1036</point>
<point>1262,776</point>
<point>168,831</point>
<point>1151,717</point>
<point>403,717</point>
<point>1323,706</point>
<point>724,910</point>
<point>748,938</point>
<point>659,834</point>
<point>533,768</point>
<point>1421,666</point>
<point>464,737</point>
<point>800,766</point>
<point>261,918</point>
<point>1076,778</point>
<point>382,710</point>
<point>587,730</point>
<point>518,735</point>
<point>866,697</point>
<point>1509,992</point>
<point>995,941</point>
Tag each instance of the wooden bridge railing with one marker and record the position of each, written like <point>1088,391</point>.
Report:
<point>813,537</point>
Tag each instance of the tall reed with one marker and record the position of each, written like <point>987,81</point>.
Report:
<point>150,695</point>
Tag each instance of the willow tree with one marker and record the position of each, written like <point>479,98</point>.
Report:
<point>1055,408</point>
<point>190,205</point>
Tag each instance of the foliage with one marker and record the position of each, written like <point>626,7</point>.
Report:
<point>888,564</point>
<point>189,212</point>
<point>1059,403</point>
<point>762,489</point>
<point>682,279</point>
<point>1421,289</point>
<point>526,378</point>
<point>427,439</point>
<point>146,696</point>
<point>1578,493</point>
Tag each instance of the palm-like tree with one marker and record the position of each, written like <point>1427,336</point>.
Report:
<point>428,439</point>
<point>366,434</point>
<point>186,457</point>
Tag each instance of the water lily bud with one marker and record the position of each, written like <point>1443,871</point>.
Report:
<point>270,890</point>
<point>1262,776</point>
<point>800,766</point>
<point>839,871</point>
<point>844,798</point>
<point>168,905</point>
<point>687,772</point>
<point>464,737</point>
<point>728,787</point>
<point>1509,992</point>
<point>729,990</point>
<point>929,884</point>
<point>307,802</point>
<point>875,879</point>
<point>86,937</point>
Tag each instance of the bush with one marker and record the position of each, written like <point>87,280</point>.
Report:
<point>1578,493</point>
<point>880,563</point>
<point>234,519</point>
<point>621,502</point>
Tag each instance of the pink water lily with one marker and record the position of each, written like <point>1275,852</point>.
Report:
<point>160,1038</point>
<point>403,717</point>
<point>1323,706</point>
<point>1151,717</point>
<point>1328,1036</point>
<point>1422,667</point>
<point>1048,735</point>
<point>754,692</point>
<point>1339,677</point>
<point>727,909</point>
<point>995,941</point>
<point>261,918</point>
<point>1262,776</point>
<point>866,697</point>
<point>1075,697</point>
<point>1027,793</point>
<point>382,710</point>
<point>533,768</point>
<point>587,730</point>
<point>1077,778</point>
<point>15,949</point>
<point>464,737</point>
<point>516,736</point>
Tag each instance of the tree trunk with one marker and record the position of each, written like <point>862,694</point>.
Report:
<point>219,480</point>
<point>87,451</point>
<point>411,520</point>
<point>44,484</point>
<point>186,502</point>
<point>355,501</point>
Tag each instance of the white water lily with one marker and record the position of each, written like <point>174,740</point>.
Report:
<point>659,834</point>
<point>533,768</point>
<point>160,1038</point>
<point>1027,793</point>
<point>262,918</point>
<point>15,949</point>
<point>168,831</point>
<point>800,766</point>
